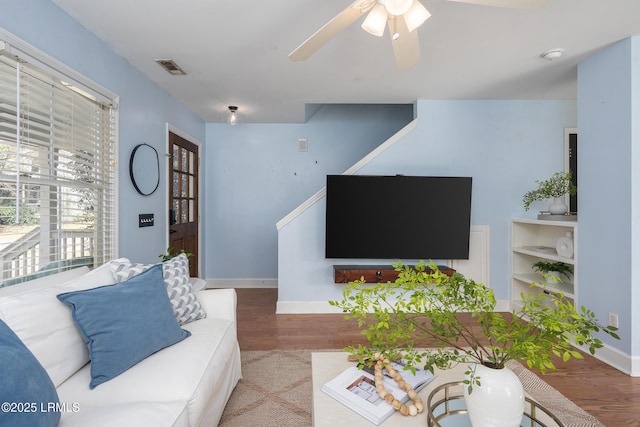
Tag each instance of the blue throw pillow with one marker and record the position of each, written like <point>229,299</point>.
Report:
<point>27,394</point>
<point>124,323</point>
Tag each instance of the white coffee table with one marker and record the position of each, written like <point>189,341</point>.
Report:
<point>328,412</point>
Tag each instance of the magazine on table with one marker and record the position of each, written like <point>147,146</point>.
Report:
<point>355,388</point>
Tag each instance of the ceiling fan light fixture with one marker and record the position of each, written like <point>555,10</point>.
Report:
<point>376,20</point>
<point>416,15</point>
<point>398,7</point>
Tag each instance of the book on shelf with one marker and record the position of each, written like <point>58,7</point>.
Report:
<point>355,388</point>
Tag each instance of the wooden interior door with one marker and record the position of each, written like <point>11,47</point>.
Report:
<point>183,198</point>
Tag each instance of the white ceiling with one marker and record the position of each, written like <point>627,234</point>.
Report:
<point>235,52</point>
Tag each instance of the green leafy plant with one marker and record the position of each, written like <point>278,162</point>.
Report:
<point>171,253</point>
<point>556,186</point>
<point>548,266</point>
<point>419,314</point>
<point>28,216</point>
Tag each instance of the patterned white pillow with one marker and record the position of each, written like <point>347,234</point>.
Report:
<point>186,306</point>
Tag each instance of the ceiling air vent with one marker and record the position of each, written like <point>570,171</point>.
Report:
<point>171,67</point>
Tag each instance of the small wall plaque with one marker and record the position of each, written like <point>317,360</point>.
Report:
<point>145,220</point>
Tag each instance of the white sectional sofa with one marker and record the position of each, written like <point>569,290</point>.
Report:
<point>187,383</point>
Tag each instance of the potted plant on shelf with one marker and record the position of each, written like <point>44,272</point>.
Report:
<point>552,271</point>
<point>553,188</point>
<point>418,315</point>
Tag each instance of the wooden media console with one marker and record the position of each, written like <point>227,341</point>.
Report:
<point>372,273</point>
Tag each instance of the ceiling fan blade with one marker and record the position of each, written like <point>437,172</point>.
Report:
<point>330,30</point>
<point>406,47</point>
<point>513,4</point>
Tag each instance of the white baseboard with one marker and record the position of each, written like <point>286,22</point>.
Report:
<point>609,355</point>
<point>617,359</point>
<point>242,283</point>
<point>503,305</point>
<point>635,366</point>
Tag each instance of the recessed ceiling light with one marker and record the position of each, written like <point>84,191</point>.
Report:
<point>552,54</point>
<point>171,67</point>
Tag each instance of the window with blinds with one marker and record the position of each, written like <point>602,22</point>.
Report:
<point>57,171</point>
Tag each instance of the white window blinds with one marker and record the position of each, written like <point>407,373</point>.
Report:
<point>57,172</point>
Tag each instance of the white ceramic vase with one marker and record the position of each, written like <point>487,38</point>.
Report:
<point>558,207</point>
<point>498,401</point>
<point>564,245</point>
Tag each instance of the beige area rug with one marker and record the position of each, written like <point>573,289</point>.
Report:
<point>276,391</point>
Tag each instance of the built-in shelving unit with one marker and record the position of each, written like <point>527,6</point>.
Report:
<point>535,240</point>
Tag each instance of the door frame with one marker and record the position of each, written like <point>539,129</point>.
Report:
<point>172,129</point>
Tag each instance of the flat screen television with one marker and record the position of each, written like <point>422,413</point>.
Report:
<point>398,217</point>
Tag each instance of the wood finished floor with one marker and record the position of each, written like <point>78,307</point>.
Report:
<point>606,393</point>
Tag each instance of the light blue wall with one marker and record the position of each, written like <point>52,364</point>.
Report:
<point>505,145</point>
<point>255,175</point>
<point>145,110</point>
<point>609,187</point>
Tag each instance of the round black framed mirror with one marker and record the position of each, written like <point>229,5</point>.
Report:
<point>144,169</point>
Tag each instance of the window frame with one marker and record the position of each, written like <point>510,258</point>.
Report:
<point>19,49</point>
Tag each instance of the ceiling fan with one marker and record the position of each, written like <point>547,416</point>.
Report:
<point>403,17</point>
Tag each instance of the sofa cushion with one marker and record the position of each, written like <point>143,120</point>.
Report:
<point>128,414</point>
<point>186,306</point>
<point>51,269</point>
<point>201,371</point>
<point>45,325</point>
<point>43,282</point>
<point>124,323</point>
<point>27,394</point>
